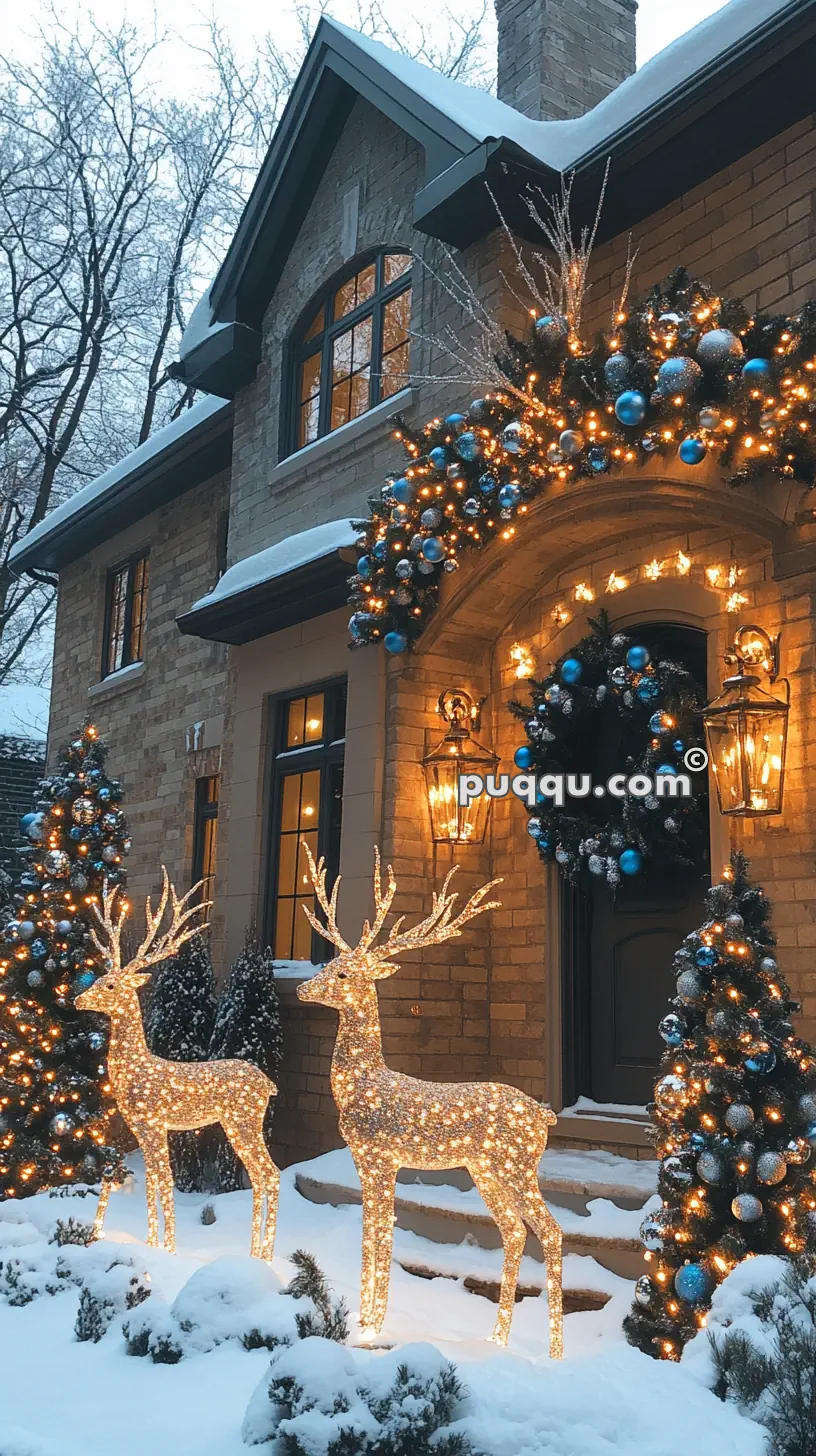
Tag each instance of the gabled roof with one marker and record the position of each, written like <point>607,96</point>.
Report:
<point>721,89</point>
<point>190,449</point>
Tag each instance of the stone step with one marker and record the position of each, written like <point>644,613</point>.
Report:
<point>575,1299</point>
<point>451,1214</point>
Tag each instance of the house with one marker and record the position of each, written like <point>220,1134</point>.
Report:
<point>202,610</point>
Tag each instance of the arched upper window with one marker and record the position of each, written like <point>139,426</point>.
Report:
<point>353,351</point>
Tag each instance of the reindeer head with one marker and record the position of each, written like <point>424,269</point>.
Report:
<point>113,991</point>
<point>345,979</point>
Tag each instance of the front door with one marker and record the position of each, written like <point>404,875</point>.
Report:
<point>617,948</point>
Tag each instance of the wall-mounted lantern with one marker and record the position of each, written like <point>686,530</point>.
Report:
<point>747,729</point>
<point>458,753</point>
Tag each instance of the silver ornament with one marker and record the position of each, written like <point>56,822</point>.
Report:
<point>430,519</point>
<point>709,418</point>
<point>471,506</point>
<point>644,1291</point>
<point>746,1208</point>
<point>57,863</point>
<point>426,567</point>
<point>571,443</point>
<point>404,569</point>
<point>807,1107</point>
<point>671,1094</point>
<point>552,328</point>
<point>595,864</point>
<point>719,346</point>
<point>61,1124</point>
<point>110,853</point>
<point>771,1167</point>
<point>710,1167</point>
<point>689,988</point>
<point>617,370</point>
<point>739,1117</point>
<point>450,564</point>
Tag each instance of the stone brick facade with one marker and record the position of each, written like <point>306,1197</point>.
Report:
<point>559,58</point>
<point>490,1003</point>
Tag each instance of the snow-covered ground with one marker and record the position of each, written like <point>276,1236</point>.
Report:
<point>60,1397</point>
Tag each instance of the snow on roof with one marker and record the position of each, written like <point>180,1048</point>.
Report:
<point>200,325</point>
<point>90,494</point>
<point>278,560</point>
<point>561,144</point>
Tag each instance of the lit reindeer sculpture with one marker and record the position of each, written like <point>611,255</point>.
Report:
<point>391,1121</point>
<point>156,1096</point>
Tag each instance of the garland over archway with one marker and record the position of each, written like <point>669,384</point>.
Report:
<point>684,374</point>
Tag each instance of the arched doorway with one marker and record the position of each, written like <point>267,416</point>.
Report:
<point>616,949</point>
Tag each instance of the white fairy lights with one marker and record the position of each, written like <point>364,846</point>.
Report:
<point>391,1121</point>
<point>156,1096</point>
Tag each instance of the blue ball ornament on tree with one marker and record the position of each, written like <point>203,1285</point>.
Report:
<point>454,420</point>
<point>693,1283</point>
<point>433,549</point>
<point>618,370</point>
<point>630,407</point>
<point>395,642</point>
<point>360,624</point>
<point>509,496</point>
<point>598,459</point>
<point>523,757</point>
<point>467,446</point>
<point>706,957</point>
<point>84,980</point>
<point>404,491</point>
<point>672,1030</point>
<point>379,550</point>
<point>692,451</point>
<point>26,821</point>
<point>487,483</point>
<point>551,328</point>
<point>637,658</point>
<point>679,376</point>
<point>364,567</point>
<point>648,689</point>
<point>668,770</point>
<point>438,457</point>
<point>571,670</point>
<point>631,861</point>
<point>756,371</point>
<point>761,1061</point>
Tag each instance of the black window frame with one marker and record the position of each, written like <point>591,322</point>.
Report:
<point>327,754</point>
<point>301,349</point>
<point>205,810</point>
<point>128,564</point>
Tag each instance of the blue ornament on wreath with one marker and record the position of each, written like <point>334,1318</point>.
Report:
<point>630,407</point>
<point>364,567</point>
<point>379,550</point>
<point>571,670</point>
<point>631,861</point>
<point>671,1029</point>
<point>762,1061</point>
<point>454,420</point>
<point>756,371</point>
<point>84,980</point>
<point>487,483</point>
<point>404,491</point>
<point>467,446</point>
<point>523,757</point>
<point>26,822</point>
<point>667,769</point>
<point>509,496</point>
<point>395,642</point>
<point>637,658</point>
<point>648,689</point>
<point>551,328</point>
<point>438,457</point>
<point>433,549</point>
<point>692,1283</point>
<point>660,723</point>
<point>692,451</point>
<point>706,957</point>
<point>679,375</point>
<point>598,459</point>
<point>359,626</point>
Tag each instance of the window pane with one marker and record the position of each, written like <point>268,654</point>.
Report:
<point>309,422</point>
<point>302,937</point>
<point>394,265</point>
<point>294,722</point>
<point>360,393</point>
<point>139,612</point>
<point>285,910</point>
<point>345,299</point>
<point>310,377</point>
<point>342,356</point>
<point>310,799</point>
<point>316,326</point>
<point>304,881</point>
<point>116,620</point>
<point>290,803</point>
<point>314,718</point>
<point>395,372</point>
<point>287,859</point>
<point>340,404</point>
<point>396,321</point>
<point>211,789</point>
<point>361,348</point>
<point>366,283</point>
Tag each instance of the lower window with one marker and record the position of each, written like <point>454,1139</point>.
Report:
<point>307,804</point>
<point>205,834</point>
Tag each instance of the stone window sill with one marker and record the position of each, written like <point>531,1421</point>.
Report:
<point>324,448</point>
<point>118,682</point>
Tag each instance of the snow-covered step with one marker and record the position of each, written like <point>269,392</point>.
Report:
<point>448,1213</point>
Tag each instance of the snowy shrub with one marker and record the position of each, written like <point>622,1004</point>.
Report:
<point>329,1317</point>
<point>324,1399</point>
<point>106,1293</point>
<point>759,1350</point>
<point>72,1231</point>
<point>238,1299</point>
<point>208,1214</point>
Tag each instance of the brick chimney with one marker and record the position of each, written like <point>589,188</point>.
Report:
<point>559,58</point>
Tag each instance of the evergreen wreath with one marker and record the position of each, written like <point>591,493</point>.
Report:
<point>682,374</point>
<point>608,690</point>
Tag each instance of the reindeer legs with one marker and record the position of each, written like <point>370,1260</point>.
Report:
<point>503,1206</point>
<point>159,1187</point>
<point>378,1186</point>
<point>102,1207</point>
<point>265,1180</point>
<point>548,1233</point>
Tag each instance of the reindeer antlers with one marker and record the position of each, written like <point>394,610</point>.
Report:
<point>438,926</point>
<point>157,945</point>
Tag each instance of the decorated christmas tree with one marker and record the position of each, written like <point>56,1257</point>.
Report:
<point>735,1116</point>
<point>248,1026</point>
<point>179,1027</point>
<point>55,1106</point>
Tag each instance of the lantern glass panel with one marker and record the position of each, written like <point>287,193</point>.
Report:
<point>452,822</point>
<point>747,733</point>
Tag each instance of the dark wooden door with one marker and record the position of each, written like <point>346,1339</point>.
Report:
<point>617,947</point>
